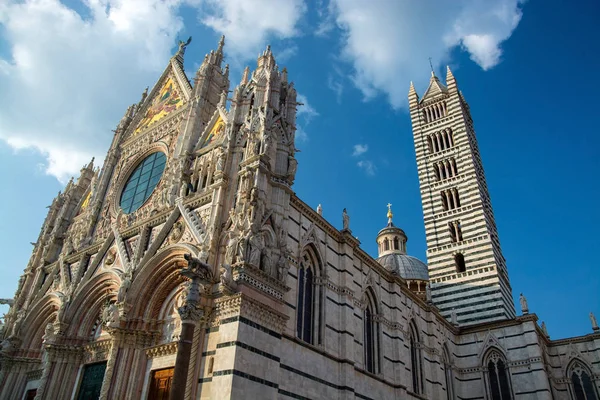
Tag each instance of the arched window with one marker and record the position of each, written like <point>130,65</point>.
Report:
<point>309,308</point>
<point>582,387</point>
<point>497,376</point>
<point>459,260</point>
<point>386,244</point>
<point>415,359</point>
<point>396,243</point>
<point>371,338</point>
<point>448,374</point>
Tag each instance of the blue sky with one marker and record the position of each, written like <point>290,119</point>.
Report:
<point>528,71</point>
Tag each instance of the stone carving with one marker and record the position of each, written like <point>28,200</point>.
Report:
<point>110,257</point>
<point>49,333</point>
<point>256,243</point>
<point>110,315</point>
<point>292,167</point>
<point>594,322</point>
<point>523,301</point>
<point>544,329</point>
<point>226,278</point>
<point>232,249</point>
<point>346,220</point>
<point>177,232</point>
<point>125,284</point>
<point>454,317</point>
<point>428,293</point>
<point>283,267</point>
<point>182,46</point>
<point>198,267</point>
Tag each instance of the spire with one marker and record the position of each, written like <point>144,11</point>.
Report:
<point>435,87</point>
<point>218,55</point>
<point>450,80</point>
<point>245,75</point>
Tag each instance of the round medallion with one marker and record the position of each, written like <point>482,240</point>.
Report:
<point>142,182</point>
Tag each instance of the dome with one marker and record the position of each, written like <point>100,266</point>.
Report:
<point>406,266</point>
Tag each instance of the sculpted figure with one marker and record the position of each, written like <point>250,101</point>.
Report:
<point>256,246</point>
<point>346,219</point>
<point>125,285</point>
<point>292,166</point>
<point>594,322</point>
<point>320,209</point>
<point>198,267</point>
<point>230,252</point>
<point>454,317</point>
<point>282,268</point>
<point>523,301</point>
<point>49,333</point>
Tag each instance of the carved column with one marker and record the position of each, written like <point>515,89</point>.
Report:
<point>110,365</point>
<point>199,273</point>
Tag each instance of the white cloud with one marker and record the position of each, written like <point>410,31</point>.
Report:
<point>68,77</point>
<point>360,149</point>
<point>248,24</point>
<point>367,166</point>
<point>304,115</point>
<point>389,42</point>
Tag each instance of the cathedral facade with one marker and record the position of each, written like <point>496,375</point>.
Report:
<point>187,266</point>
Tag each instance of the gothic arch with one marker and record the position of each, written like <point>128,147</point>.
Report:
<point>416,362</point>
<point>36,320</point>
<point>580,376</point>
<point>448,374</point>
<point>87,302</point>
<point>371,336</point>
<point>496,375</point>
<point>156,279</point>
<point>310,296</point>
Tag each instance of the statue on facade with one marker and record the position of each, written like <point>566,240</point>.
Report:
<point>125,285</point>
<point>198,267</point>
<point>454,317</point>
<point>49,333</point>
<point>523,301</point>
<point>594,322</point>
<point>428,293</point>
<point>346,220</point>
<point>292,167</point>
<point>110,315</point>
<point>320,209</point>
<point>226,278</point>
<point>256,242</point>
<point>544,329</point>
<point>182,45</point>
<point>231,250</point>
<point>282,267</point>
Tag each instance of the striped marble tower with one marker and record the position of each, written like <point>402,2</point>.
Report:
<point>467,271</point>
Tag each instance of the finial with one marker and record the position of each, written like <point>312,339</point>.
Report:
<point>245,75</point>
<point>390,215</point>
<point>221,43</point>
<point>320,209</point>
<point>431,65</point>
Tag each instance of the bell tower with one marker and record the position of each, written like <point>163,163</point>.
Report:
<point>467,271</point>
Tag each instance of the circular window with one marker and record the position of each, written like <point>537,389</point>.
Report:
<point>142,182</point>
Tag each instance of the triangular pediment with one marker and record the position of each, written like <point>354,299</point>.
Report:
<point>214,132</point>
<point>171,92</point>
<point>435,89</point>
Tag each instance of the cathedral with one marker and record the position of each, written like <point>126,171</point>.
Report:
<point>187,268</point>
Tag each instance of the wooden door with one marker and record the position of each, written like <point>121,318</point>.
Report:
<point>160,384</point>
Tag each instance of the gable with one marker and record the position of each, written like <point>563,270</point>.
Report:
<point>215,133</point>
<point>166,100</point>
